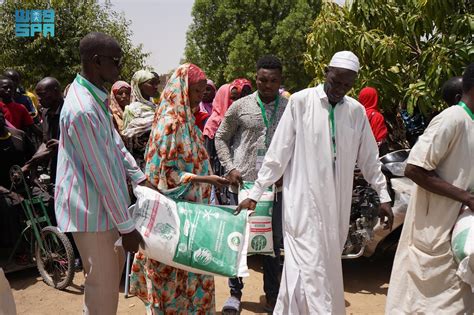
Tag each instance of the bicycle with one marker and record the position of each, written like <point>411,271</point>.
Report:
<point>50,248</point>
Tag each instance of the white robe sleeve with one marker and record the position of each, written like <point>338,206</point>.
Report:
<point>369,164</point>
<point>278,155</point>
<point>437,141</point>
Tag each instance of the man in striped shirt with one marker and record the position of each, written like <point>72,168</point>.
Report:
<point>91,197</point>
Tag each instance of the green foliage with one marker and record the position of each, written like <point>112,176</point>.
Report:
<point>407,49</point>
<point>244,50</point>
<point>228,36</point>
<point>58,56</point>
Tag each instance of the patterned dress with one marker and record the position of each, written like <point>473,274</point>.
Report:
<point>174,155</point>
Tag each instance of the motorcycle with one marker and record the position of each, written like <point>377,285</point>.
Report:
<point>365,231</point>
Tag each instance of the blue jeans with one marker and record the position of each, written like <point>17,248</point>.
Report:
<point>271,265</point>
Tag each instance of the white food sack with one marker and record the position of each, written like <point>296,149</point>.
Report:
<point>199,238</point>
<point>260,222</point>
<point>462,242</point>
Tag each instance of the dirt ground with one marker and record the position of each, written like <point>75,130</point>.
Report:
<point>365,281</point>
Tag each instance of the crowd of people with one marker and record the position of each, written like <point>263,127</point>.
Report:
<point>198,142</point>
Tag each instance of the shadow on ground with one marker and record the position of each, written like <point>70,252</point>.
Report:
<point>377,268</point>
<point>22,279</point>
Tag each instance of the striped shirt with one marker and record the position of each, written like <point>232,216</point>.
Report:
<point>93,163</point>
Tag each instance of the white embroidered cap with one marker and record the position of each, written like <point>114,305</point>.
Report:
<point>346,60</point>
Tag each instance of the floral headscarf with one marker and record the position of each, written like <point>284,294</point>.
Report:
<point>175,151</point>
<point>195,74</point>
<point>117,111</point>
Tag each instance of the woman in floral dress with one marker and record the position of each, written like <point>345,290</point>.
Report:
<point>177,164</point>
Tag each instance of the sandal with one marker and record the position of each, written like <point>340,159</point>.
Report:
<point>231,306</point>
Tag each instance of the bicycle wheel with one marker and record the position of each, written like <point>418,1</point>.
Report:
<point>56,262</point>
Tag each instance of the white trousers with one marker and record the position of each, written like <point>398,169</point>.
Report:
<point>103,266</point>
<point>7,303</point>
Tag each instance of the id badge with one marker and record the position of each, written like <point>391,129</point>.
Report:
<point>260,157</point>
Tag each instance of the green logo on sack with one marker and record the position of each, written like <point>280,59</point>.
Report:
<point>234,240</point>
<point>202,256</point>
<point>165,230</point>
<point>210,246</point>
<point>258,242</point>
<point>182,247</point>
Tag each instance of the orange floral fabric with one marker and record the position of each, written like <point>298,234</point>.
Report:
<point>175,153</point>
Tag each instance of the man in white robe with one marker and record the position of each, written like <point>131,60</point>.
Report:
<point>317,156</point>
<point>441,164</point>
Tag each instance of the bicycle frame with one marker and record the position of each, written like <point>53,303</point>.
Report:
<point>33,221</point>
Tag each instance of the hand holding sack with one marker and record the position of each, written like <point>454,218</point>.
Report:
<point>261,235</point>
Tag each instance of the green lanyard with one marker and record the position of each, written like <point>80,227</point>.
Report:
<point>264,115</point>
<point>88,86</point>
<point>332,123</point>
<point>467,109</point>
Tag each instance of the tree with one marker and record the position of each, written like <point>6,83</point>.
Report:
<point>58,56</point>
<point>407,49</point>
<point>227,37</point>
